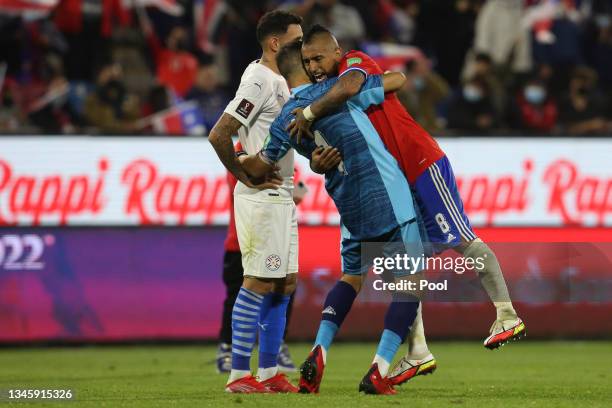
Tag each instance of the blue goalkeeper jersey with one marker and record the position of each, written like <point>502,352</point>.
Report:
<point>368,187</point>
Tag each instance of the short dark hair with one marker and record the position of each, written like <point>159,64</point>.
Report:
<point>315,30</point>
<point>289,59</point>
<point>275,22</point>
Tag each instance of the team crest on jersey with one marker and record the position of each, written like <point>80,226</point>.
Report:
<point>353,61</point>
<point>273,262</point>
<point>244,108</point>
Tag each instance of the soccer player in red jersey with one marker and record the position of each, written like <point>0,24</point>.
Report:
<point>430,175</point>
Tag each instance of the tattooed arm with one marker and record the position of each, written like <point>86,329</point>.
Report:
<point>221,138</point>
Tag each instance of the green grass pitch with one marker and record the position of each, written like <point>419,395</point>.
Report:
<point>523,374</point>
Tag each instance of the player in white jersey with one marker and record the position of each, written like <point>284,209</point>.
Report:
<point>266,220</point>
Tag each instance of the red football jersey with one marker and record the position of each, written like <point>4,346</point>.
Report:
<point>410,144</point>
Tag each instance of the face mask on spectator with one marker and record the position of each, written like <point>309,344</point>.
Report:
<point>472,93</point>
<point>418,82</point>
<point>535,94</point>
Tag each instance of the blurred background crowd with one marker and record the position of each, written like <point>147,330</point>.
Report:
<point>170,66</point>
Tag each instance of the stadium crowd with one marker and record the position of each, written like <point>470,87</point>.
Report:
<point>473,66</point>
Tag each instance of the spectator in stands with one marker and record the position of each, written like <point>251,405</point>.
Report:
<point>559,46</point>
<point>402,23</point>
<point>472,109</point>
<point>534,109</point>
<point>601,55</point>
<point>110,108</point>
<point>583,108</point>
<point>9,115</point>
<point>446,30</point>
<point>482,67</point>
<point>237,24</point>
<point>49,110</point>
<point>423,92</point>
<point>500,33</point>
<point>159,99</point>
<point>341,19</point>
<point>206,91</point>
<point>176,66</point>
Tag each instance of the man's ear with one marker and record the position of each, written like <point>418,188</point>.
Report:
<point>339,52</point>
<point>274,44</point>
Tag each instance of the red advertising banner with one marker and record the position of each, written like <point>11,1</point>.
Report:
<point>129,181</point>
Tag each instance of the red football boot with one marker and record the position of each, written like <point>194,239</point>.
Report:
<point>311,372</point>
<point>279,384</point>
<point>504,331</point>
<point>374,383</point>
<point>247,385</point>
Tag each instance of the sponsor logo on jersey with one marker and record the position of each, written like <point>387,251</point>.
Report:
<point>450,238</point>
<point>353,61</point>
<point>273,262</point>
<point>245,108</point>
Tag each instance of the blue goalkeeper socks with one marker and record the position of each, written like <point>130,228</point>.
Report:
<point>399,318</point>
<point>245,316</point>
<point>272,321</point>
<point>337,305</point>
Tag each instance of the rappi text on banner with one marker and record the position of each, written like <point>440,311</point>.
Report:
<point>161,182</point>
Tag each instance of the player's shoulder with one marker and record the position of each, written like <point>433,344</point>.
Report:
<point>356,57</point>
<point>260,76</point>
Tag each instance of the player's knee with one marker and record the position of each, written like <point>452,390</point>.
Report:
<point>288,285</point>
<point>356,281</point>
<point>480,252</point>
<point>257,285</point>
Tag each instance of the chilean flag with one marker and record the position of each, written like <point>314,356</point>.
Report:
<point>20,7</point>
<point>204,18</point>
<point>182,119</point>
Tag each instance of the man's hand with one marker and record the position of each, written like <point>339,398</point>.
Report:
<point>324,159</point>
<point>300,126</point>
<point>269,181</point>
<point>266,176</point>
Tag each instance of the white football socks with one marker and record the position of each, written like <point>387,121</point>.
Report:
<point>237,374</point>
<point>265,373</point>
<point>383,365</point>
<point>417,344</point>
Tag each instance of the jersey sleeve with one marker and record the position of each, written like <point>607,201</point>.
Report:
<point>358,61</point>
<point>277,144</point>
<point>372,93</point>
<point>250,99</point>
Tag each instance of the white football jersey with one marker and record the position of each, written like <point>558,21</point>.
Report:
<point>258,101</point>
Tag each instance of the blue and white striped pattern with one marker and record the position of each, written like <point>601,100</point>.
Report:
<point>447,198</point>
<point>245,317</point>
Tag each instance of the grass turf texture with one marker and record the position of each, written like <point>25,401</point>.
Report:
<point>523,374</point>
